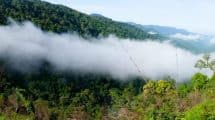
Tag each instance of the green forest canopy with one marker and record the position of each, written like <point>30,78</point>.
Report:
<point>60,19</point>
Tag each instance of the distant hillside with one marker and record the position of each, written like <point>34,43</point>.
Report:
<point>58,18</point>
<point>194,42</point>
<point>164,30</point>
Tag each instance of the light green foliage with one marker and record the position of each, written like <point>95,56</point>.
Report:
<point>15,116</point>
<point>160,88</point>
<point>159,98</point>
<point>117,99</point>
<point>199,81</point>
<point>206,62</point>
<point>2,117</point>
<point>184,88</point>
<point>20,98</point>
<point>203,111</point>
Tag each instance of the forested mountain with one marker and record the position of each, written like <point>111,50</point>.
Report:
<point>51,94</point>
<point>60,19</point>
<point>193,42</point>
<point>164,30</point>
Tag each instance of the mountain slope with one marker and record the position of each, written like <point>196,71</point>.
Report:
<point>164,30</point>
<point>193,42</point>
<point>58,18</point>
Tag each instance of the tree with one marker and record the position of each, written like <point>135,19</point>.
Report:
<point>160,100</point>
<point>160,87</point>
<point>199,81</point>
<point>4,82</point>
<point>206,63</point>
<point>184,88</point>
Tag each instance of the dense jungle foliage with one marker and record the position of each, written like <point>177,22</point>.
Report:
<point>54,95</point>
<point>61,19</point>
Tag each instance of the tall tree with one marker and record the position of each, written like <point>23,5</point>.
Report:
<point>206,63</point>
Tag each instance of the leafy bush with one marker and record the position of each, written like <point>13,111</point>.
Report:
<point>199,81</point>
<point>203,111</point>
<point>184,88</point>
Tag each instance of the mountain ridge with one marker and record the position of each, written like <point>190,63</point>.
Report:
<point>61,19</point>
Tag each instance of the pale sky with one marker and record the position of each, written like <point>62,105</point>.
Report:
<point>194,15</point>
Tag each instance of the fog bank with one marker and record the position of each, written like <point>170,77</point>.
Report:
<point>25,45</point>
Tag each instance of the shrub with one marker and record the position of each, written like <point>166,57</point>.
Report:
<point>199,81</point>
<point>203,111</point>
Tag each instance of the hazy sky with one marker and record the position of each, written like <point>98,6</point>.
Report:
<point>195,15</point>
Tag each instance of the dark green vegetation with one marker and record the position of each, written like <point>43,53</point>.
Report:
<point>60,19</point>
<point>48,94</point>
<point>53,95</point>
